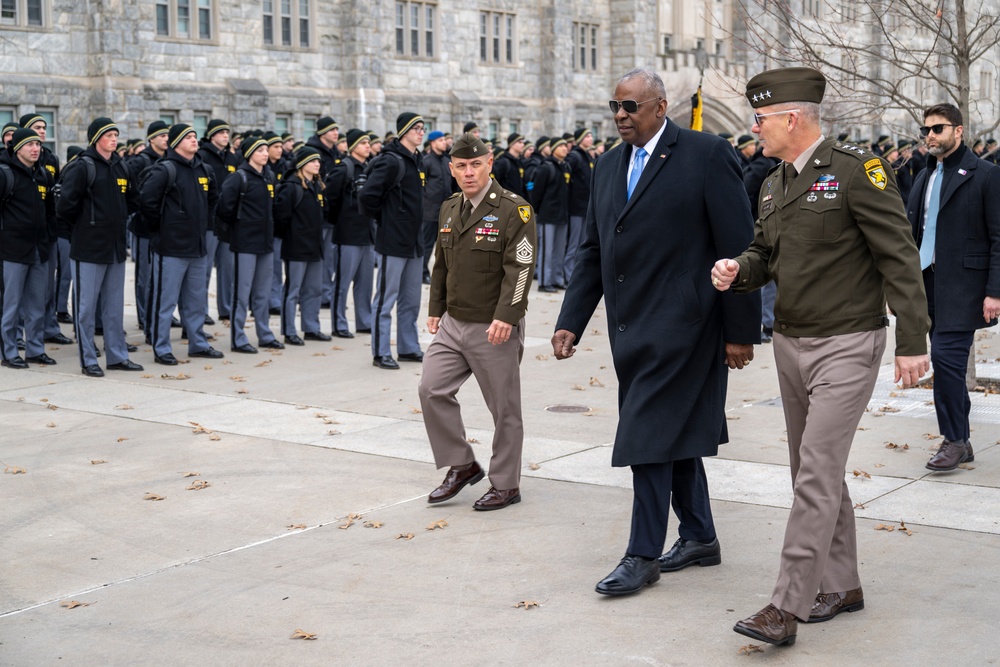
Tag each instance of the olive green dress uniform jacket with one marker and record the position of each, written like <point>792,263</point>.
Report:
<point>838,245</point>
<point>483,270</point>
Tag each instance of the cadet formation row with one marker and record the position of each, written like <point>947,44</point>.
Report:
<point>289,227</point>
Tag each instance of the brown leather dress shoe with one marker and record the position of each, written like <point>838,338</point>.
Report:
<point>771,625</point>
<point>455,481</point>
<point>495,499</point>
<point>828,605</point>
<point>951,454</point>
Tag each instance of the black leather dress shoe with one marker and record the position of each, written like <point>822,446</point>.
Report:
<point>16,362</point>
<point>131,348</point>
<point>127,365</point>
<point>43,359</point>
<point>630,576</point>
<point>208,353</point>
<point>688,552</point>
<point>209,321</point>
<point>386,362</point>
<point>343,333</point>
<point>325,305</point>
<point>246,348</point>
<point>59,339</point>
<point>411,356</point>
<point>294,340</point>
<point>365,331</point>
<point>167,359</point>
<point>93,371</point>
<point>64,318</point>
<point>274,311</point>
<point>99,331</point>
<point>97,351</point>
<point>273,345</point>
<point>547,289</point>
<point>175,323</point>
<point>20,343</point>
<point>319,335</point>
<point>455,480</point>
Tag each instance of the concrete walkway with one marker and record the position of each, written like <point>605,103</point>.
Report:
<point>291,444</point>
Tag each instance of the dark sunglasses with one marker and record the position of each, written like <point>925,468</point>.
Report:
<point>630,106</point>
<point>936,129</point>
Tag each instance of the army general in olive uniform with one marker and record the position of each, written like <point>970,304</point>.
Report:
<point>484,262</point>
<point>832,233</point>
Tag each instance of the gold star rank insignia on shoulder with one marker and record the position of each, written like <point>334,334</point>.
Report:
<point>876,173</point>
<point>525,213</point>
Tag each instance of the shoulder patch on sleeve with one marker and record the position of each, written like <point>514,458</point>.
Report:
<point>876,173</point>
<point>525,213</point>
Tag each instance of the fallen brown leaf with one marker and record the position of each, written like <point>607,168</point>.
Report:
<point>198,428</point>
<point>191,474</point>
<point>51,425</point>
<point>52,407</point>
<point>179,376</point>
<point>301,407</point>
<point>888,408</point>
<point>542,357</point>
<point>199,485</point>
<point>864,428</point>
<point>901,448</point>
<point>405,536</point>
<point>886,527</point>
<point>43,400</point>
<point>266,362</point>
<point>97,462</point>
<point>441,523</point>
<point>242,390</point>
<point>319,354</point>
<point>208,368</point>
<point>862,473</point>
<point>594,382</point>
<point>146,376</point>
<point>333,432</point>
<point>374,524</point>
<point>215,437</point>
<point>336,347</point>
<point>472,441</point>
<point>347,524</point>
<point>750,648</point>
<point>122,439</point>
<point>73,604</point>
<point>534,466</point>
<point>931,436</point>
<point>14,470</point>
<point>526,604</point>
<point>966,466</point>
<point>124,406</point>
<point>416,411</point>
<point>859,506</point>
<point>577,387</point>
<point>237,378</point>
<point>152,496</point>
<point>302,634</point>
<point>296,526</point>
<point>327,420</point>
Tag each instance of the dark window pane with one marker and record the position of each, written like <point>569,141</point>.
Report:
<point>286,31</point>
<point>34,12</point>
<point>204,24</point>
<point>304,32</point>
<point>8,11</point>
<point>269,30</point>
<point>162,20</point>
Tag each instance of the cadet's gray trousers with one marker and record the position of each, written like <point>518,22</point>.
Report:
<point>251,288</point>
<point>399,281</point>
<point>178,279</point>
<point>23,294</point>
<point>99,286</point>
<point>302,291</point>
<point>355,264</point>
<point>460,349</point>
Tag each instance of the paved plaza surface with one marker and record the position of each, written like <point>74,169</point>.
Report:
<point>315,466</point>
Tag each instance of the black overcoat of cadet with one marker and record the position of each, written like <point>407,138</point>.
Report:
<point>967,242</point>
<point>650,257</point>
<point>298,219</point>
<point>177,217</point>
<point>27,220</point>
<point>253,232</point>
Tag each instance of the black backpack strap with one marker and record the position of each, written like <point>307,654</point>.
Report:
<point>8,189</point>
<point>171,170</point>
<point>243,193</point>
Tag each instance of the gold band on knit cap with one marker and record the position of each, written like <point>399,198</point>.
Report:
<point>306,160</point>
<point>406,128</point>
<point>26,140</point>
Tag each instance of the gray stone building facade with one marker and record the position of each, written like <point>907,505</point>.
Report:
<point>532,67</point>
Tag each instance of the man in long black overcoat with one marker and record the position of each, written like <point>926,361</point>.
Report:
<point>664,204</point>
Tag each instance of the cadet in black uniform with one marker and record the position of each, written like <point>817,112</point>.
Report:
<point>246,204</point>
<point>27,224</point>
<point>215,154</point>
<point>298,221</point>
<point>550,197</point>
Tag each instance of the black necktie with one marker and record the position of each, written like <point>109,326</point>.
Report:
<point>466,212</point>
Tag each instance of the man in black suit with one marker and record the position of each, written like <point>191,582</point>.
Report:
<point>954,212</point>
<point>653,230</point>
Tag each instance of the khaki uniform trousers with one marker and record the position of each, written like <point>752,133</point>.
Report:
<point>461,349</point>
<point>826,383</point>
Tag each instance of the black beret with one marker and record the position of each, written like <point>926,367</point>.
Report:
<point>469,127</point>
<point>787,84</point>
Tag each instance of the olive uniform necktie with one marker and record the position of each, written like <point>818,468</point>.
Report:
<point>466,212</point>
<point>790,175</point>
